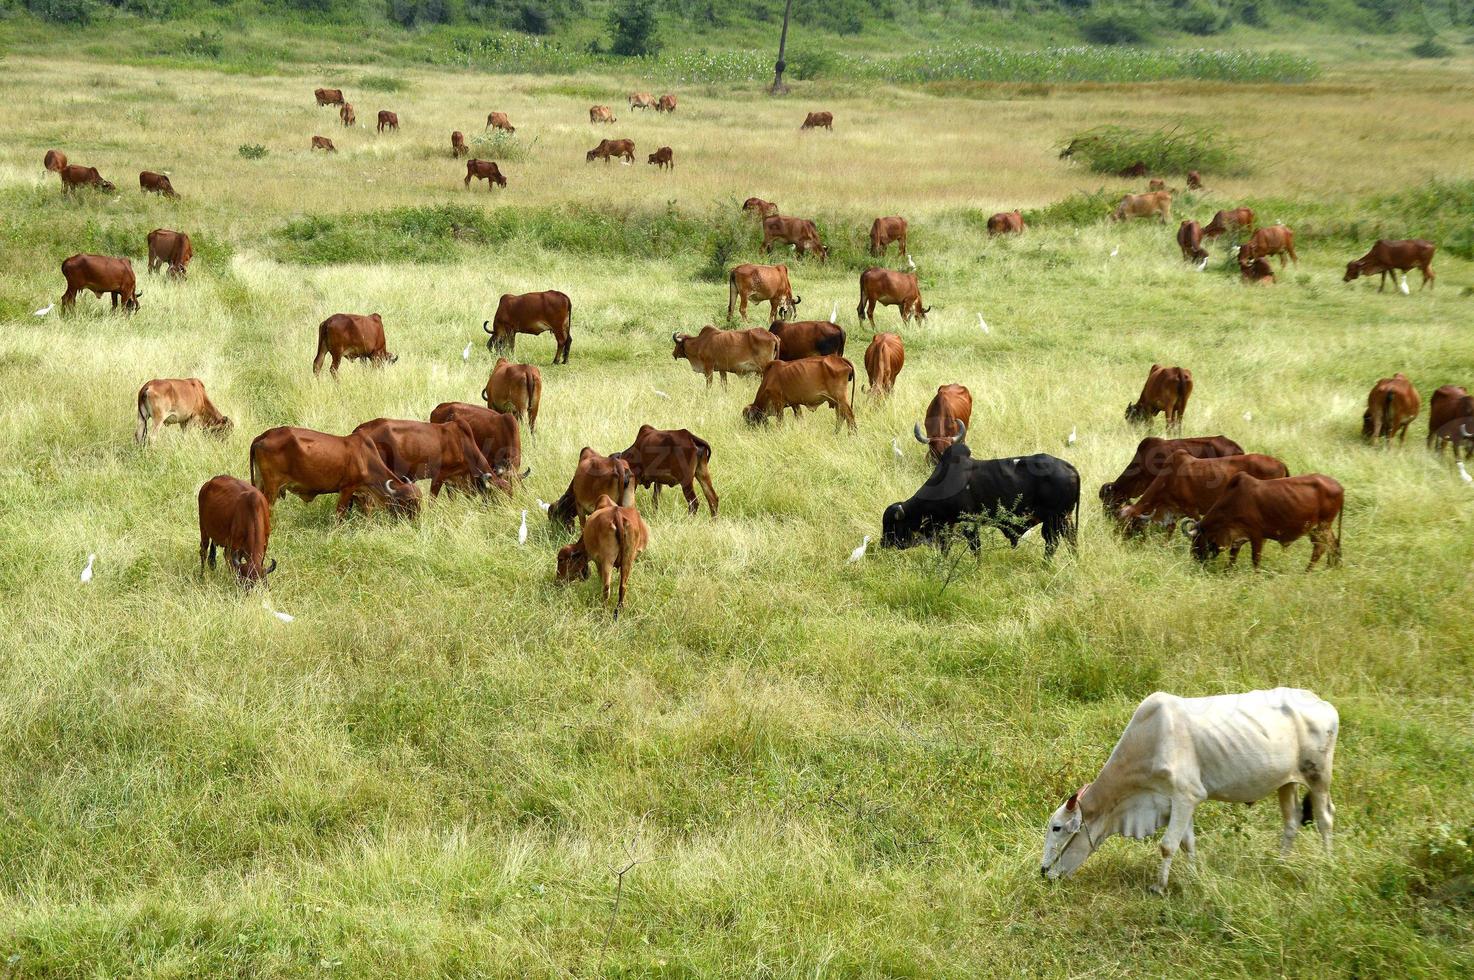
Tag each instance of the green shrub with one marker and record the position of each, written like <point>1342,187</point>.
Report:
<point>1201,17</point>
<point>382,83</point>
<point>810,63</point>
<point>252,151</point>
<point>1444,866</point>
<point>498,144</point>
<point>1431,47</point>
<point>1083,208</point>
<point>1115,25</point>
<point>1176,149</point>
<point>633,29</point>
<point>63,11</point>
<point>204,44</point>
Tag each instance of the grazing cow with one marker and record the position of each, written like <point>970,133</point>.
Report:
<point>1178,752</point>
<point>671,458</point>
<point>642,100</point>
<point>532,313</point>
<point>328,96</point>
<point>609,149</point>
<point>351,335</point>
<point>309,464</point>
<point>947,418</point>
<point>1283,510</point>
<point>1006,223</point>
<point>816,120</point>
<point>1150,459</point>
<point>969,494</point>
<point>759,207</point>
<point>1167,389</point>
<point>1451,419</point>
<point>663,158</point>
<point>1394,256</point>
<point>1189,487</point>
<point>801,233</point>
<point>324,144</point>
<point>235,516</point>
<point>1156,184</point>
<point>1234,220</point>
<point>1137,169</point>
<point>595,476</point>
<point>55,161</point>
<point>154,183</point>
<point>441,452</point>
<point>347,116</point>
<point>169,248</point>
<point>1190,240</point>
<point>177,401</point>
<point>725,352</point>
<point>486,170</point>
<point>388,120</point>
<point>1152,204</point>
<point>74,176</point>
<point>601,114</point>
<point>808,383</point>
<point>496,433</point>
<point>807,338</point>
<point>886,230</point>
<point>884,359</point>
<point>100,274</point>
<point>1194,181</point>
<point>515,388</point>
<point>613,538</point>
<point>1274,240</point>
<point>890,289</point>
<point>758,283</point>
<point>458,146</point>
<point>499,120</point>
<point>1255,273</point>
<point>667,103</point>
<point>1392,405</point>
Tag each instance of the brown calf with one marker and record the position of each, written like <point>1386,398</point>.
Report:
<point>890,289</point>
<point>758,283</point>
<point>809,383</point>
<point>663,158</point>
<point>1272,510</point>
<point>486,170</point>
<point>884,359</point>
<point>595,476</point>
<point>1274,240</point>
<point>176,401</point>
<point>1006,223</point>
<point>886,230</point>
<point>388,120</point>
<point>613,538</point>
<point>1167,389</point>
<point>74,176</point>
<point>1392,405</point>
<point>100,274</point>
<point>324,144</point>
<point>533,314</point>
<point>235,516</point>
<point>1394,256</point>
<point>169,248</point>
<point>817,120</point>
<point>351,335</point>
<point>458,146</point>
<point>726,352</point>
<point>514,388</point>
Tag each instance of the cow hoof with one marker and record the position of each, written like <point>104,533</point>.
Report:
<point>1157,889</point>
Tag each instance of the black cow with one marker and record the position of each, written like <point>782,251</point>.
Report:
<point>1012,494</point>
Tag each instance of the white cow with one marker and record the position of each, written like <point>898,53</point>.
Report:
<point>1178,752</point>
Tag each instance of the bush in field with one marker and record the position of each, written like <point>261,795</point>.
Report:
<point>1431,47</point>
<point>63,11</point>
<point>515,53</point>
<point>382,83</point>
<point>1082,63</point>
<point>1177,149</point>
<point>252,151</point>
<point>498,144</point>
<point>1083,208</point>
<point>1115,25</point>
<point>1201,17</point>
<point>204,44</point>
<point>633,28</point>
<point>810,63</point>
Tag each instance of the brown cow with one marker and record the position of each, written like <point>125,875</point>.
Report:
<point>169,248</point>
<point>1392,405</point>
<point>890,289</point>
<point>613,538</point>
<point>947,419</point>
<point>1194,181</point>
<point>1156,184</point>
<point>809,383</point>
<point>388,120</point>
<point>884,359</point>
<point>609,149</point>
<point>514,388</point>
<point>1189,487</point>
<point>1006,223</point>
<point>179,401</point>
<point>759,207</point>
<point>601,114</point>
<point>758,283</point>
<point>1190,240</point>
<point>458,146</point>
<point>1234,219</point>
<point>663,159</point>
<point>235,516</point>
<point>351,335</point>
<point>1151,458</point>
<point>667,103</point>
<point>671,458</point>
<point>1167,389</point>
<point>1255,273</point>
<point>309,464</point>
<point>1274,510</point>
<point>328,96</point>
<point>1137,169</point>
<point>346,115</point>
<point>807,338</point>
<point>100,274</point>
<point>486,170</point>
<point>74,175</point>
<point>55,161</point>
<point>1154,203</point>
<point>499,120</point>
<point>726,352</point>
<point>642,100</point>
<point>155,183</point>
<point>595,476</point>
<point>324,144</point>
<point>441,452</point>
<point>883,231</point>
<point>1274,240</point>
<point>1400,256</point>
<point>532,313</point>
<point>801,233</point>
<point>497,434</point>
<point>1451,419</point>
<point>815,120</point>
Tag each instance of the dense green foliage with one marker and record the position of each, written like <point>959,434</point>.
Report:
<point>1168,150</point>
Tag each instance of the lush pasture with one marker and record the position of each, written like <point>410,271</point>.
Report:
<point>822,768</point>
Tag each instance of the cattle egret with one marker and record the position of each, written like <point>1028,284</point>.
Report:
<point>1115,251</point>
<point>659,393</point>
<point>544,505</point>
<point>87,572</point>
<point>909,262</point>
<point>466,354</point>
<point>983,323</point>
<point>522,531</point>
<point>284,617</point>
<point>45,309</point>
<point>1071,440</point>
<point>859,552</point>
<point>896,448</point>
<point>1465,473</point>
<point>1203,264</point>
<point>1402,285</point>
<point>834,313</point>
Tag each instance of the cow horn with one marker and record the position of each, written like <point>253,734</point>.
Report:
<point>961,431</point>
<point>797,300</point>
<point>925,310</point>
<point>919,436</point>
<point>1189,527</point>
<point>486,325</point>
<point>389,485</point>
<point>676,337</point>
<point>527,472</point>
<point>270,568</point>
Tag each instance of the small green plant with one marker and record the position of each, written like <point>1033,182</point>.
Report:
<point>382,83</point>
<point>252,151</point>
<point>498,144</point>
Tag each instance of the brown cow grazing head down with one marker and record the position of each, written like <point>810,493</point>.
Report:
<point>458,146</point>
<point>1392,405</point>
<point>324,144</point>
<point>55,161</point>
<point>762,283</point>
<point>667,103</point>
<point>100,274</point>
<point>663,158</point>
<point>1156,204</point>
<point>346,115</point>
<point>388,120</point>
<point>154,183</point>
<point>1188,487</point>
<point>613,537</point>
<point>176,401</point>
<point>1394,256</point>
<point>808,383</point>
<point>671,458</point>
<point>1256,272</point>
<point>1451,420</point>
<point>497,435</point>
<point>74,176</point>
<point>1006,223</point>
<point>884,359</point>
<point>725,352</point>
<point>310,464</point>
<point>1283,510</point>
<point>500,121</point>
<point>1229,220</point>
<point>759,207</point>
<point>883,231</point>
<point>607,150</point>
<point>818,120</point>
<point>1150,459</point>
<point>328,96</point>
<point>1167,389</point>
<point>445,453</point>
<point>642,100</point>
<point>486,170</point>
<point>1274,240</point>
<point>593,477</point>
<point>947,419</point>
<point>890,289</point>
<point>169,248</point>
<point>514,388</point>
<point>1194,181</point>
<point>533,314</point>
<point>235,516</point>
<point>350,335</point>
<point>1190,240</point>
<point>601,114</point>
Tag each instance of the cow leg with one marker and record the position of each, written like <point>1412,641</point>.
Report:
<point>606,576</point>
<point>205,547</point>
<point>1428,276</point>
<point>333,367</point>
<point>1256,550</point>
<point>1383,285</point>
<point>1289,813</point>
<point>655,496</point>
<point>1233,552</point>
<point>1324,812</point>
<point>345,504</point>
<point>707,490</point>
<point>1178,827</point>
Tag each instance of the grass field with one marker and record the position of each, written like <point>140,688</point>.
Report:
<point>821,769</point>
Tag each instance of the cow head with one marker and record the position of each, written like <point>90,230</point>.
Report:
<point>130,303</point>
<point>1067,840</point>
<point>1206,544</point>
<point>1353,270</point>
<point>897,528</point>
<point>249,569</point>
<point>573,562</point>
<point>401,496</point>
<point>221,425</point>
<point>106,185</point>
<point>589,156</point>
<point>755,414</point>
<point>937,445</point>
<point>680,341</point>
<point>1136,412</point>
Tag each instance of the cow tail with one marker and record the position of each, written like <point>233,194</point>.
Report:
<point>623,559</point>
<point>251,466</point>
<point>1307,815</point>
<point>1387,417</point>
<point>143,415</point>
<point>852,384</point>
<point>731,291</point>
<point>1340,516</point>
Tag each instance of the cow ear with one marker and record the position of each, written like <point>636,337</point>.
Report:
<point>1071,803</point>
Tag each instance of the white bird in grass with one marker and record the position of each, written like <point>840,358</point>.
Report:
<point>1402,285</point>
<point>522,531</point>
<point>983,323</point>
<point>1203,264</point>
<point>1248,416</point>
<point>1071,440</point>
<point>859,552</point>
<point>284,617</point>
<point>87,572</point>
<point>466,354</point>
<point>1115,251</point>
<point>1464,474</point>
<point>659,393</point>
<point>834,313</point>
<point>896,448</point>
<point>45,309</point>
<point>544,505</point>
<point>909,262</point>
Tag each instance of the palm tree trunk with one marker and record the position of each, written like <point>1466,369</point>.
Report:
<point>778,87</point>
